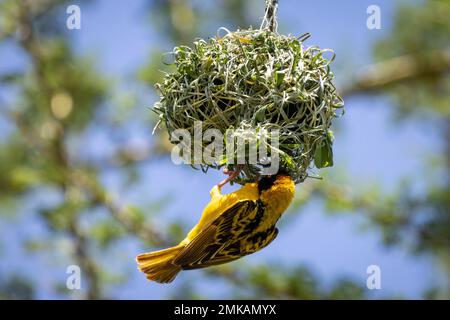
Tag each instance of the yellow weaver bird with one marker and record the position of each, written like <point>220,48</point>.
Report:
<point>232,226</point>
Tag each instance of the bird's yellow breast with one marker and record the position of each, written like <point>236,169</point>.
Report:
<point>279,196</point>
<point>277,199</point>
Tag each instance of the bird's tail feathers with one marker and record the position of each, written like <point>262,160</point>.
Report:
<point>158,265</point>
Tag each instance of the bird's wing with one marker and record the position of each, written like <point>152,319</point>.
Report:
<point>220,241</point>
<point>233,251</point>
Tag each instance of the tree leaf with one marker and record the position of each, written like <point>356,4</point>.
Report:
<point>323,156</point>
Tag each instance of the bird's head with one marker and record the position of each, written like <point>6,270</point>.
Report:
<point>266,182</point>
<point>276,191</point>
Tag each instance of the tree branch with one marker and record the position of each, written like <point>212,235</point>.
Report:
<point>389,72</point>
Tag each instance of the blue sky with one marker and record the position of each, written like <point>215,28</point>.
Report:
<point>368,145</point>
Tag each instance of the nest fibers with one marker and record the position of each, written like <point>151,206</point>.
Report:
<point>255,81</point>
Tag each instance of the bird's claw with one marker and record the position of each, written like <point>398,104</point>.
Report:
<point>231,175</point>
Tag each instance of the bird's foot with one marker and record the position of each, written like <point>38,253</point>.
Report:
<point>231,175</point>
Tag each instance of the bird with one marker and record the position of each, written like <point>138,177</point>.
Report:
<point>232,226</point>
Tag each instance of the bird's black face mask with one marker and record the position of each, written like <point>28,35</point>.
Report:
<point>266,182</point>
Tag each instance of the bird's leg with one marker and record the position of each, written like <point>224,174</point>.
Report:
<point>231,175</point>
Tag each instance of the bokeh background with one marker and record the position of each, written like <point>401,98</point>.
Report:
<point>83,181</point>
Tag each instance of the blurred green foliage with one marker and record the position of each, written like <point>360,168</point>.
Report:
<point>423,32</point>
<point>16,288</point>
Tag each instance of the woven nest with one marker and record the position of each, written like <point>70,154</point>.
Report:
<point>255,81</point>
